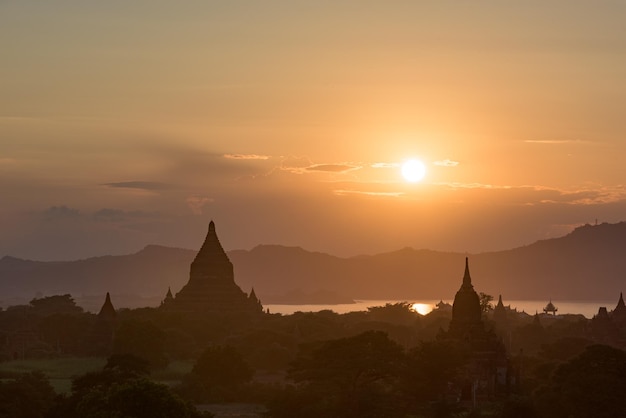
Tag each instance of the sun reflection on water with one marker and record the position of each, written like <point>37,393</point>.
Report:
<point>422,308</point>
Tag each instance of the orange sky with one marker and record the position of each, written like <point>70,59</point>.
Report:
<point>286,122</point>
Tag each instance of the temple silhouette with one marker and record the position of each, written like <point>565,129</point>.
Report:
<point>211,286</point>
<point>489,371</point>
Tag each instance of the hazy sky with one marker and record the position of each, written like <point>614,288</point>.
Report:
<point>131,123</point>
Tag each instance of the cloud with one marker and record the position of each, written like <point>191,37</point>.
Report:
<point>294,165</point>
<point>556,141</point>
<point>342,192</point>
<point>60,212</point>
<point>119,215</point>
<point>446,163</point>
<point>197,203</point>
<point>143,185</point>
<point>384,165</point>
<point>246,157</point>
<point>332,168</point>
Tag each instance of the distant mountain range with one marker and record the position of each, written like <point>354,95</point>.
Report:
<point>587,264</point>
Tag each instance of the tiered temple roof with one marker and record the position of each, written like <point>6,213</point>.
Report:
<point>211,286</point>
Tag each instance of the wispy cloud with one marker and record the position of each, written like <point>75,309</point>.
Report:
<point>197,203</point>
<point>246,157</point>
<point>446,163</point>
<point>60,212</point>
<point>332,168</point>
<point>119,215</point>
<point>459,185</point>
<point>342,192</point>
<point>143,185</point>
<point>556,141</point>
<point>385,165</point>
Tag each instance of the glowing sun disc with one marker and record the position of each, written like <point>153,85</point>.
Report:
<point>413,171</point>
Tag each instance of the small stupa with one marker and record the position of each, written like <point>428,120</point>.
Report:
<point>107,312</point>
<point>499,312</point>
<point>550,308</point>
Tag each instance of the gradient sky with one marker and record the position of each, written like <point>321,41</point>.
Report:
<point>124,124</point>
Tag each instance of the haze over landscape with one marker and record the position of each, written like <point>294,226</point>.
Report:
<point>283,208</point>
<point>124,125</point>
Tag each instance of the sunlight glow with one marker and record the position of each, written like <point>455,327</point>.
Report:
<point>413,171</point>
<point>421,308</point>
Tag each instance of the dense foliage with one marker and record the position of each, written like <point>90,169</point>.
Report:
<point>388,361</point>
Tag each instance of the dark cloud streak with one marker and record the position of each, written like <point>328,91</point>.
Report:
<point>143,185</point>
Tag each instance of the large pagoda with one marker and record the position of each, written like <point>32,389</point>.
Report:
<point>488,364</point>
<point>211,286</point>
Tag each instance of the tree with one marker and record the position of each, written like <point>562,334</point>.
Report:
<point>349,376</point>
<point>485,302</point>
<point>29,395</point>
<point>589,385</point>
<point>400,313</point>
<point>61,304</point>
<point>218,375</point>
<point>432,367</point>
<point>121,389</point>
<point>142,339</point>
<point>137,398</point>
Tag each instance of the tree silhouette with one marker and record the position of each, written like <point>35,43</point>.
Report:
<point>142,339</point>
<point>27,396</point>
<point>218,375</point>
<point>350,376</point>
<point>589,385</point>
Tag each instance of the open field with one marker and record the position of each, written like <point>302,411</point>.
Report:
<point>61,371</point>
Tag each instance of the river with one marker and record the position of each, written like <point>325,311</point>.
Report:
<point>586,308</point>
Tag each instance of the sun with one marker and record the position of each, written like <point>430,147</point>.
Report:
<point>413,171</point>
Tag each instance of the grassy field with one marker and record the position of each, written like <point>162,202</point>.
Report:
<point>60,371</point>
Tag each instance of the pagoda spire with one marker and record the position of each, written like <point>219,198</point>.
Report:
<point>467,279</point>
<point>620,309</point>
<point>107,311</point>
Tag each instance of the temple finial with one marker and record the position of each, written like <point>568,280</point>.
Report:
<point>211,226</point>
<point>467,279</point>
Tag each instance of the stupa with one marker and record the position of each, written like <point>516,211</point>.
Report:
<point>466,312</point>
<point>211,286</point>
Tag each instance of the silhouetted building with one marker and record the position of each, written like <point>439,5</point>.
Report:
<point>489,369</point>
<point>619,313</point>
<point>466,312</point>
<point>169,298</point>
<point>499,313</point>
<point>603,327</point>
<point>211,286</point>
<point>107,312</point>
<point>550,308</point>
<point>100,339</point>
<point>443,306</point>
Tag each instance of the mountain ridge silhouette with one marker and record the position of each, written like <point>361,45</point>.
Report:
<point>586,264</point>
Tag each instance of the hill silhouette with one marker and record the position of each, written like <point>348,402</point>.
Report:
<point>587,264</point>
